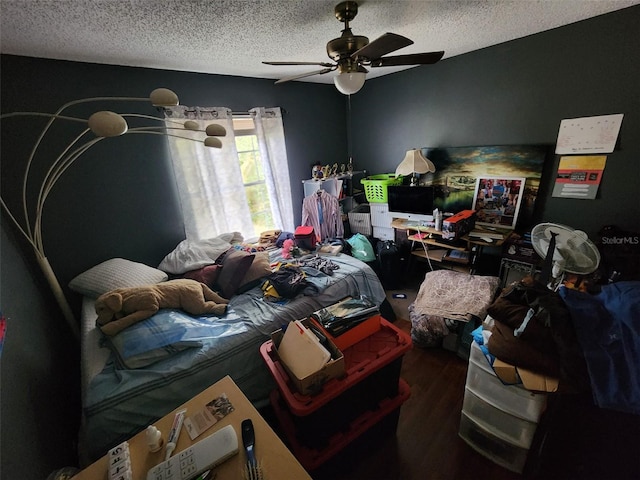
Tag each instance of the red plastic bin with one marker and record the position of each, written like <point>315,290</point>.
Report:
<point>363,359</point>
<point>372,368</point>
<point>383,419</point>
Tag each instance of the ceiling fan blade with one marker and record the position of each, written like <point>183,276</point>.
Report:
<point>412,59</point>
<point>387,43</point>
<point>322,64</point>
<point>303,75</point>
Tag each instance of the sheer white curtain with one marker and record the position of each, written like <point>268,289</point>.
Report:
<point>209,180</point>
<point>270,133</point>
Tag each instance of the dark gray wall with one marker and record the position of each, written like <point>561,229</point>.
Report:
<point>516,94</point>
<point>119,199</point>
<point>39,372</point>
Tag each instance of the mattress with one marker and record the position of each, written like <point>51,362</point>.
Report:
<point>119,402</point>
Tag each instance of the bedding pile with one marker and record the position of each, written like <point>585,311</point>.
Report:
<point>446,296</point>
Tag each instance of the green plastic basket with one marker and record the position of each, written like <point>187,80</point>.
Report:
<point>375,186</point>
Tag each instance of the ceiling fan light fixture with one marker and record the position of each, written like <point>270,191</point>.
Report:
<point>349,83</point>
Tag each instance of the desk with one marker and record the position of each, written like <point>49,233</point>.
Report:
<point>430,237</point>
<point>277,461</point>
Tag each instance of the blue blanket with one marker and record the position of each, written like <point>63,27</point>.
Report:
<point>608,329</point>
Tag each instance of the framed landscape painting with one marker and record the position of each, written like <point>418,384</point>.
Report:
<point>458,169</point>
<point>497,200</point>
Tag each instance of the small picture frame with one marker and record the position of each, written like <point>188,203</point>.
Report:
<point>497,200</point>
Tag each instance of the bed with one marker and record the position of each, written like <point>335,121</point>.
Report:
<point>119,401</point>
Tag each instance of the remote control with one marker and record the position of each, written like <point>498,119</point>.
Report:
<point>201,456</point>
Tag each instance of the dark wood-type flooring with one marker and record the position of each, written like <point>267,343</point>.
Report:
<point>585,442</point>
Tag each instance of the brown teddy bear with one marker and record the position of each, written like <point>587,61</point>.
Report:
<point>123,307</point>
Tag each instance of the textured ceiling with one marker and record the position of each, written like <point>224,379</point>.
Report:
<point>232,37</point>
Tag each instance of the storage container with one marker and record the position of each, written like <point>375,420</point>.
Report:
<point>334,368</point>
<point>375,186</point>
<point>360,220</point>
<point>382,233</point>
<point>380,421</point>
<point>372,374</point>
<point>488,444</point>
<point>512,429</point>
<point>355,334</point>
<point>374,354</point>
<point>513,399</point>
<point>380,216</point>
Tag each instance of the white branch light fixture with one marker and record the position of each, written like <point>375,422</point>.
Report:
<point>415,162</point>
<point>103,124</point>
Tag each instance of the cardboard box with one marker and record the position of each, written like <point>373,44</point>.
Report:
<point>457,225</point>
<point>506,372</point>
<point>352,336</point>
<point>530,380</point>
<point>313,383</point>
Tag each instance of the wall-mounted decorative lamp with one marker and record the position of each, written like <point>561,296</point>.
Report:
<point>102,124</point>
<point>415,163</point>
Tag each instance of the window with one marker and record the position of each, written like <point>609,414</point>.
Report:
<point>253,176</point>
<point>234,188</point>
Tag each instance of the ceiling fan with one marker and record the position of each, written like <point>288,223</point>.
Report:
<point>351,53</point>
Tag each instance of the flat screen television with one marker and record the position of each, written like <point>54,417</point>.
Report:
<point>415,204</point>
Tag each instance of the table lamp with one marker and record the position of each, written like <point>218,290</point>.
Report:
<point>103,125</point>
<point>415,163</point>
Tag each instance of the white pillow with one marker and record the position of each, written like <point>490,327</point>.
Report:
<point>115,273</point>
<point>194,254</point>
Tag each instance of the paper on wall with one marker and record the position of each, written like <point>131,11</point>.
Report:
<point>588,134</point>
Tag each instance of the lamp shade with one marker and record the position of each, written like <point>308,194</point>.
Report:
<point>213,142</point>
<point>163,97</point>
<point>215,130</point>
<point>349,83</point>
<point>415,162</point>
<point>191,125</point>
<point>107,124</point>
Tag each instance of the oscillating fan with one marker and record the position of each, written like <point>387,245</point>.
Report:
<point>564,250</point>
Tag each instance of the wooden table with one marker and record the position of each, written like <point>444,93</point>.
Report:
<point>277,461</point>
<point>469,245</point>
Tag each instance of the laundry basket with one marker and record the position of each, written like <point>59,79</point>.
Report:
<point>375,186</point>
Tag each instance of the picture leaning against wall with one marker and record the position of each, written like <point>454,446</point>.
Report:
<point>497,200</point>
<point>459,168</point>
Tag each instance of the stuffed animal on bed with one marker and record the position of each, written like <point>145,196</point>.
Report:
<point>123,307</point>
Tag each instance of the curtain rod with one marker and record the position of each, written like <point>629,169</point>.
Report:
<point>247,113</point>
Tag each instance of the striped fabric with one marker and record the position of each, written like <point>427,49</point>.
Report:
<point>321,210</point>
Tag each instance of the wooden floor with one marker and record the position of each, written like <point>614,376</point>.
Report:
<point>582,443</point>
<point>425,445</point>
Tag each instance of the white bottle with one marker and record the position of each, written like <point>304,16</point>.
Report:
<point>437,217</point>
<point>154,438</point>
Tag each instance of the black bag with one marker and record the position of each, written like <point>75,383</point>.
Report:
<point>389,263</point>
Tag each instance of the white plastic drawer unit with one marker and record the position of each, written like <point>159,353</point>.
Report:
<point>380,216</point>
<point>512,399</point>
<point>510,428</point>
<point>495,448</point>
<point>383,233</point>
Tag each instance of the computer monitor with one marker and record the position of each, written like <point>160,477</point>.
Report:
<point>415,204</point>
